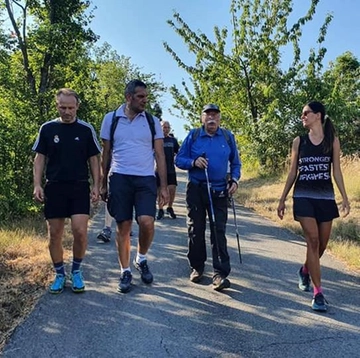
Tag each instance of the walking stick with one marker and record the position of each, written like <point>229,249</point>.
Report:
<point>236,228</point>
<point>213,222</point>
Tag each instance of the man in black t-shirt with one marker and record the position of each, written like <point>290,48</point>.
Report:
<point>67,146</point>
<point>171,147</point>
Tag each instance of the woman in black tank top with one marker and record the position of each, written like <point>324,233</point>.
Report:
<point>314,205</point>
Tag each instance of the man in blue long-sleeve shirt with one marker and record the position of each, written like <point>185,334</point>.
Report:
<point>213,148</point>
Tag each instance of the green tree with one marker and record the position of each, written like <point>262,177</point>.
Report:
<point>245,75</point>
<point>51,46</point>
<point>342,81</point>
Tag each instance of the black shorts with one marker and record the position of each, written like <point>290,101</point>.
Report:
<point>320,209</point>
<point>127,192</point>
<point>171,179</point>
<point>64,199</point>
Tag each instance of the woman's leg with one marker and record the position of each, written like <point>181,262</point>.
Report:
<point>324,236</point>
<point>312,236</point>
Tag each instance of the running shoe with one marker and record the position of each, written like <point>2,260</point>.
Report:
<point>304,280</point>
<point>170,211</point>
<point>105,235</point>
<point>160,214</point>
<point>125,282</point>
<point>219,283</point>
<point>319,303</point>
<point>143,268</point>
<point>196,275</point>
<point>77,280</point>
<point>58,285</point>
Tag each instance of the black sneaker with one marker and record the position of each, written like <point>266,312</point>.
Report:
<point>304,281</point>
<point>170,211</point>
<point>196,275</point>
<point>143,268</point>
<point>220,283</point>
<point>105,235</point>
<point>319,303</point>
<point>125,282</point>
<point>160,214</point>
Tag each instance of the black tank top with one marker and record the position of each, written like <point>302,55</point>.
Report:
<point>314,172</point>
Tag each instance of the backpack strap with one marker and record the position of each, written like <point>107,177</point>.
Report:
<point>115,120</point>
<point>225,133</point>
<point>151,123</point>
<point>195,134</point>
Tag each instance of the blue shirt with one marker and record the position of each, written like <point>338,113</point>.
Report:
<point>132,153</point>
<point>218,153</point>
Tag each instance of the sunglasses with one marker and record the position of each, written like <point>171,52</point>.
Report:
<point>305,113</point>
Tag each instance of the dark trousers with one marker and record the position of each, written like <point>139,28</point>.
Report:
<point>198,205</point>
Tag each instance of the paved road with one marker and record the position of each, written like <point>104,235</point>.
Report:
<point>262,315</point>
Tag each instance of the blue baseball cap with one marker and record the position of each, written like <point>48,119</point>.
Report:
<point>211,107</point>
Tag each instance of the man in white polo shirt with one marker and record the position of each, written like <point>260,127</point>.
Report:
<point>129,182</point>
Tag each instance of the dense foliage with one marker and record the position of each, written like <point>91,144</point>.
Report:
<point>261,98</point>
<point>50,45</point>
<point>45,45</point>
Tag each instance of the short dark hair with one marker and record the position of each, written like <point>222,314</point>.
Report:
<point>67,92</point>
<point>131,86</point>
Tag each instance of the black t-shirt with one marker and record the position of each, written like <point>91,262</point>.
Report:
<point>67,146</point>
<point>171,147</point>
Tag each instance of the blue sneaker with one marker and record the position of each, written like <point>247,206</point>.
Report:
<point>77,280</point>
<point>58,285</point>
<point>125,282</point>
<point>304,281</point>
<point>319,303</point>
<point>143,268</point>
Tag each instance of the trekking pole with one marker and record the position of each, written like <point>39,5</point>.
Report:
<point>212,219</point>
<point>236,228</point>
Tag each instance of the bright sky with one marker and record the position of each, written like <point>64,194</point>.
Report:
<point>137,28</point>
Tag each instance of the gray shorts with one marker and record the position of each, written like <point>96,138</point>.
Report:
<point>127,192</point>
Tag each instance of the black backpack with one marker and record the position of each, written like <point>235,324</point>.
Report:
<point>115,120</point>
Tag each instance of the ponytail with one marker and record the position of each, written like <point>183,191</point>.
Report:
<point>329,134</point>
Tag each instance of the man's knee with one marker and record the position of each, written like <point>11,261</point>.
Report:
<point>146,222</point>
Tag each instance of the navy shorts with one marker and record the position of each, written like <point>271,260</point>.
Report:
<point>64,199</point>
<point>320,209</point>
<point>127,192</point>
<point>171,179</point>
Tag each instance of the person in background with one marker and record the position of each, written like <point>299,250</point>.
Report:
<point>130,179</point>
<point>67,146</point>
<point>210,152</point>
<point>105,234</point>
<point>314,205</point>
<point>171,147</point>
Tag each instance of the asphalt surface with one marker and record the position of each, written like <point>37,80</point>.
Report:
<point>263,314</point>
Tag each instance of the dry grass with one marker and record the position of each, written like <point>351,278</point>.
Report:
<point>25,271</point>
<point>262,195</point>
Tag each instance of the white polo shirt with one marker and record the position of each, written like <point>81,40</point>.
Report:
<point>133,152</point>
